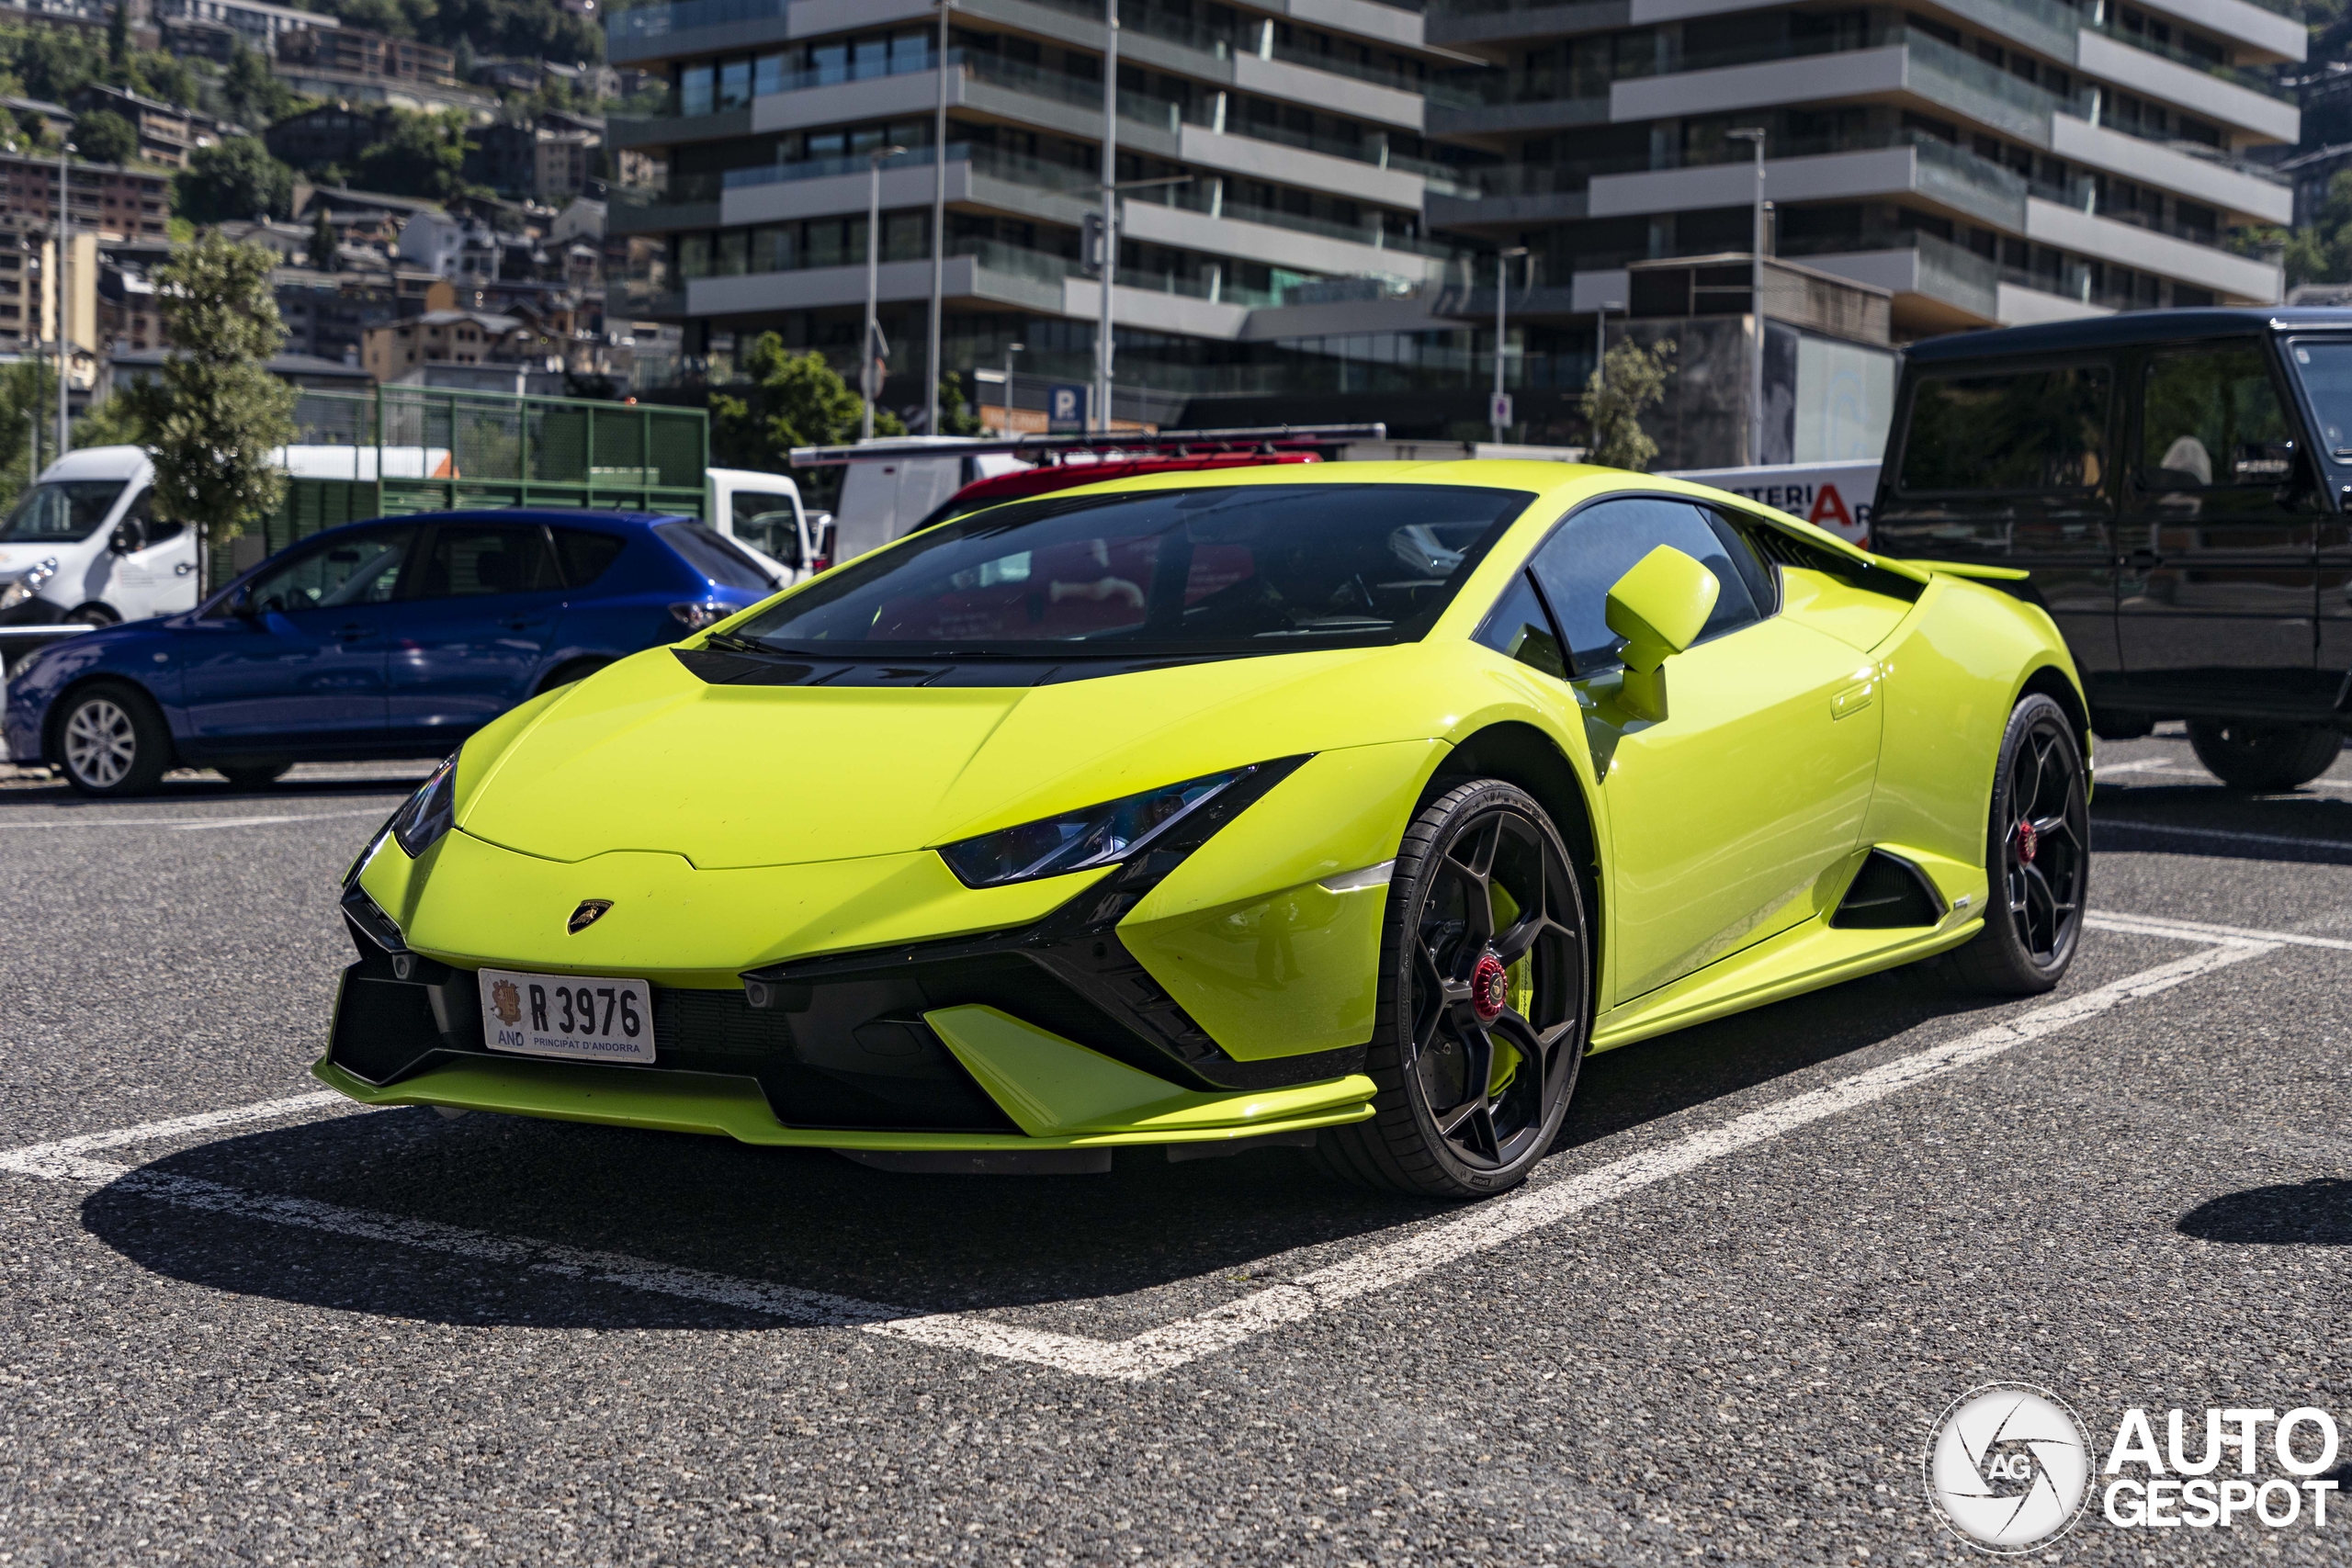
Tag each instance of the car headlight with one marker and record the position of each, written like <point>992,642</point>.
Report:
<point>1081,840</point>
<point>26,583</point>
<point>430,812</point>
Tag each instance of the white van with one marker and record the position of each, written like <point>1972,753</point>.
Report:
<point>764,512</point>
<point>81,545</point>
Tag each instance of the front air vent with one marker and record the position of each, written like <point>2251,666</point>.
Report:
<point>1888,893</point>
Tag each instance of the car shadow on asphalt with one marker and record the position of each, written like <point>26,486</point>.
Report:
<point>2308,827</point>
<point>809,1220</point>
<point>2301,1214</point>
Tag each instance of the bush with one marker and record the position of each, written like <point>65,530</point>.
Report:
<point>105,136</point>
<point>232,180</point>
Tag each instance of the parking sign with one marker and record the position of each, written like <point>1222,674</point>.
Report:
<point>1065,408</point>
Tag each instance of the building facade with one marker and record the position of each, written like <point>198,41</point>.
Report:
<point>1344,176</point>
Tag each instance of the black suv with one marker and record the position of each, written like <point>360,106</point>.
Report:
<point>2178,484</point>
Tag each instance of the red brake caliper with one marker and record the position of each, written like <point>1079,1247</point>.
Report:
<point>2029,841</point>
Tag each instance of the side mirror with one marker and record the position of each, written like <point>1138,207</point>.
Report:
<point>128,536</point>
<point>1660,608</point>
<point>241,603</point>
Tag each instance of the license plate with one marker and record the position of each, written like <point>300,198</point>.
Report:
<point>581,1017</point>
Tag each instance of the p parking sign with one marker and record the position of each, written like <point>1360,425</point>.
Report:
<point>1065,408</point>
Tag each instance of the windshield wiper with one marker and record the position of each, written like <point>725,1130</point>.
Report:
<point>727,642</point>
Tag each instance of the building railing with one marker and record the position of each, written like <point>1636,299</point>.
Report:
<point>647,23</point>
<point>2253,80</point>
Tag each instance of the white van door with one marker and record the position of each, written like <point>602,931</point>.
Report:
<point>157,576</point>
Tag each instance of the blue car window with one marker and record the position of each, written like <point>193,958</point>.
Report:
<point>357,569</point>
<point>469,561</point>
<point>1582,561</point>
<point>714,555</point>
<point>585,554</point>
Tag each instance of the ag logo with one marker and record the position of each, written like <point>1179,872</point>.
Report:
<point>2008,1467</point>
<point>590,910</point>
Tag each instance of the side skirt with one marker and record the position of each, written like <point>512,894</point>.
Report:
<point>1804,958</point>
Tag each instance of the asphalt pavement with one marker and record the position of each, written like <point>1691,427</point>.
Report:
<point>1719,1326</point>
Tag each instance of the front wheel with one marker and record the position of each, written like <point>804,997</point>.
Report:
<point>1482,1005</point>
<point>112,742</point>
<point>2037,857</point>
<point>2263,756</point>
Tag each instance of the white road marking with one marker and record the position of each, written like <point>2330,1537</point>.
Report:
<point>2163,765</point>
<point>2227,834</point>
<point>192,824</point>
<point>1173,1345</point>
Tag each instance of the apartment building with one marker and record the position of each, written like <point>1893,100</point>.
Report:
<point>361,54</point>
<point>1350,171</point>
<point>167,133</point>
<point>110,202</point>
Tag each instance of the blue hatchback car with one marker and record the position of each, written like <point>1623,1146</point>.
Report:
<point>397,638</point>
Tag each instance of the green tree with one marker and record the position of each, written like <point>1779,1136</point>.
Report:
<point>53,63</point>
<point>118,45</point>
<point>232,179</point>
<point>793,400</point>
<point>2321,250</point>
<point>215,413</point>
<point>1613,405</point>
<point>421,156</point>
<point>324,241</point>
<point>105,136</point>
<point>28,399</point>
<point>956,417</point>
<point>255,96</point>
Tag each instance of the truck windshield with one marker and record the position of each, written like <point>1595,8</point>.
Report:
<point>1245,569</point>
<point>2326,371</point>
<point>61,513</point>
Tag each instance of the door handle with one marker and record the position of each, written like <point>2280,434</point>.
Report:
<point>184,568</point>
<point>523,623</point>
<point>2141,560</point>
<point>1852,700</point>
<point>356,633</point>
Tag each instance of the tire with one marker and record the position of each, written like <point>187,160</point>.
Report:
<point>578,669</point>
<point>255,775</point>
<point>2263,756</point>
<point>2037,881</point>
<point>112,742</point>
<point>1483,954</point>
<point>93,616</point>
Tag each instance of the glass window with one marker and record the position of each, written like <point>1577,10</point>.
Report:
<point>869,57</point>
<point>767,79</point>
<point>470,561</point>
<point>61,513</point>
<point>1582,561</point>
<point>693,255</point>
<point>2327,372</point>
<point>910,51</point>
<point>694,90</point>
<point>728,256</point>
<point>734,84</point>
<point>2021,430</point>
<point>714,555</point>
<point>2211,417</point>
<point>1519,628</point>
<point>774,248</point>
<point>585,554</point>
<point>1245,569</point>
<point>830,63</point>
<point>357,569</point>
<point>766,522</point>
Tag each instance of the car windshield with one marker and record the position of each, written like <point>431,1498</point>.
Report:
<point>2326,369</point>
<point>1241,568</point>
<point>61,513</point>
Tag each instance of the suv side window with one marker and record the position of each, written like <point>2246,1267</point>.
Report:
<point>2013,430</point>
<point>1584,557</point>
<point>2210,418</point>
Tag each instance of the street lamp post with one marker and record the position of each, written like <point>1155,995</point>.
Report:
<point>1102,409</point>
<point>1600,343</point>
<point>938,231</point>
<point>1004,425</point>
<point>868,352</point>
<point>64,250</point>
<point>1496,414</point>
<point>1754,136</point>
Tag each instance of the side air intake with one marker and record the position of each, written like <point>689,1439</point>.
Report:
<point>1888,892</point>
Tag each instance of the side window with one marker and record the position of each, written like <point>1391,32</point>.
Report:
<point>2018,430</point>
<point>471,562</point>
<point>1739,548</point>
<point>766,522</point>
<point>360,569</point>
<point>1585,557</point>
<point>1519,628</point>
<point>2210,418</point>
<point>585,554</point>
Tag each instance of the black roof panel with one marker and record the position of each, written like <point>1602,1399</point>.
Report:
<point>2127,329</point>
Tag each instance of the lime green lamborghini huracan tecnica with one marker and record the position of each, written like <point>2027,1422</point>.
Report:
<point>1347,806</point>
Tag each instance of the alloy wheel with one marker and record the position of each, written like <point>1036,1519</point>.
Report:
<point>1498,1003</point>
<point>2046,840</point>
<point>100,742</point>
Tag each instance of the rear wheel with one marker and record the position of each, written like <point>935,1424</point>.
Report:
<point>2037,859</point>
<point>92,616</point>
<point>2263,756</point>
<point>111,741</point>
<point>1483,1002</point>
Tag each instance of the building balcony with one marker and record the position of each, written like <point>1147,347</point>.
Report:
<point>691,26</point>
